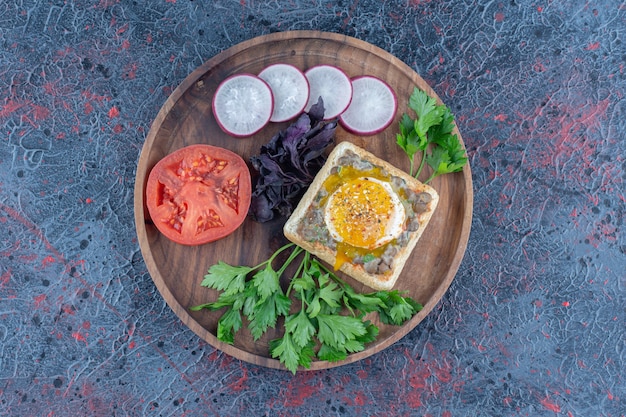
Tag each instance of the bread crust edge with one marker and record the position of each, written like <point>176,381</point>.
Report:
<point>385,281</point>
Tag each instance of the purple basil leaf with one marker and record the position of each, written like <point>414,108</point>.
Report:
<point>316,112</point>
<point>318,143</point>
<point>288,163</point>
<point>260,208</point>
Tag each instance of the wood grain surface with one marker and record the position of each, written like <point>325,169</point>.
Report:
<point>186,119</point>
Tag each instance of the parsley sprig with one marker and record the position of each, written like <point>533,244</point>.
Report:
<point>326,319</point>
<point>260,299</point>
<point>430,134</point>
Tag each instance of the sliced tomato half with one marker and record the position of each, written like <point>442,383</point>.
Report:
<point>199,194</point>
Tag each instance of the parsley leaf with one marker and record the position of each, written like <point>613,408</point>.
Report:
<point>445,127</point>
<point>397,309</point>
<point>296,347</point>
<point>327,323</point>
<point>227,278</point>
<point>266,282</point>
<point>409,140</point>
<point>331,354</point>
<point>431,134</point>
<point>330,292</point>
<point>365,303</point>
<point>314,307</point>
<point>260,299</point>
<point>371,333</point>
<point>336,330</point>
<point>303,283</point>
<point>306,355</point>
<point>450,157</point>
<point>285,350</point>
<point>266,312</point>
<point>301,327</point>
<point>428,112</point>
<point>228,325</point>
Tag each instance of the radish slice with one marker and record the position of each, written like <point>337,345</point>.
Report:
<point>242,105</point>
<point>333,85</point>
<point>373,106</point>
<point>290,89</point>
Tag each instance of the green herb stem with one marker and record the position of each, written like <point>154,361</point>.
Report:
<point>432,176</point>
<point>411,166</point>
<point>421,165</point>
<point>294,254</point>
<point>275,254</point>
<point>302,267</point>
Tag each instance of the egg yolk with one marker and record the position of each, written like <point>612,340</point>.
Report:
<point>359,212</point>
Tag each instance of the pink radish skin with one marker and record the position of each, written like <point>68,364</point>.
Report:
<point>373,106</point>
<point>333,85</point>
<point>243,105</point>
<point>290,89</point>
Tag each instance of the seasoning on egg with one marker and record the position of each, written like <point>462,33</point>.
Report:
<point>364,212</point>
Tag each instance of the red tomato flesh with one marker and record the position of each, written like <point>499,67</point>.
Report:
<point>199,194</point>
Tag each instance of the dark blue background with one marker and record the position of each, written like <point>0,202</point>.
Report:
<point>534,322</point>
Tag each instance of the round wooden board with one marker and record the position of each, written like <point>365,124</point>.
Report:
<point>186,118</point>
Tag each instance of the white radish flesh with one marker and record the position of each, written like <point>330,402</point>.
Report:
<point>290,89</point>
<point>242,105</point>
<point>372,108</point>
<point>333,86</point>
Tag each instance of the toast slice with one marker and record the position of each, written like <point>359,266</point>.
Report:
<point>378,266</point>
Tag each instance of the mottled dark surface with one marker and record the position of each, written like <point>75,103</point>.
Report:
<point>534,322</point>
